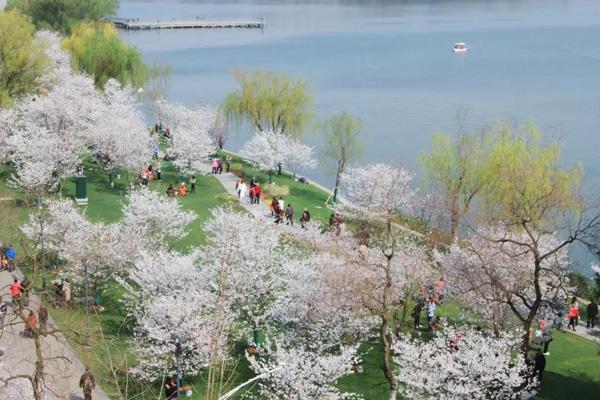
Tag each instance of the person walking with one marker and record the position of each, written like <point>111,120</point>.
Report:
<point>43,318</point>
<point>539,366</point>
<point>158,171</point>
<point>304,218</point>
<point>546,338</point>
<point>289,215</point>
<point>30,325</point>
<point>11,256</point>
<point>87,383</point>
<point>257,190</point>
<point>430,311</point>
<point>242,190</point>
<point>416,313</point>
<point>592,314</point>
<point>575,303</point>
<point>15,291</point>
<point>573,315</point>
<point>193,184</point>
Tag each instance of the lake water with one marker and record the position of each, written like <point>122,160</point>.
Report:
<point>390,63</point>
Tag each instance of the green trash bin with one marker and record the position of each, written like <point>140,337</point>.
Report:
<point>81,190</point>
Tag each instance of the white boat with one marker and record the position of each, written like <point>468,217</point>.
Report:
<point>459,48</point>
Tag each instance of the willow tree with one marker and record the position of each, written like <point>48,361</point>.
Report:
<point>97,50</point>
<point>455,167</point>
<point>342,145</point>
<point>540,211</point>
<point>525,183</point>
<point>63,15</point>
<point>270,102</point>
<point>22,61</point>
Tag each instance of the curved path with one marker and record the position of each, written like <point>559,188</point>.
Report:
<point>62,373</point>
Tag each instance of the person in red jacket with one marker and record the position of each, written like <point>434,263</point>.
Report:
<point>257,193</point>
<point>573,315</point>
<point>15,290</point>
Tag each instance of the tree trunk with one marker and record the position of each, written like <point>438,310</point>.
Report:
<point>387,357</point>
<point>454,217</point>
<point>338,179</point>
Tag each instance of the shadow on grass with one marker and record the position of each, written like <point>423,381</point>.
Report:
<point>559,387</point>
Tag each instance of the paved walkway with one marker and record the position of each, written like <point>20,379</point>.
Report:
<point>62,375</point>
<point>588,333</point>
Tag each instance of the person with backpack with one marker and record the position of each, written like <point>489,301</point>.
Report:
<point>87,383</point>
<point>30,325</point>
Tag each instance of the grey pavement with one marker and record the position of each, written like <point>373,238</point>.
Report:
<point>592,334</point>
<point>62,367</point>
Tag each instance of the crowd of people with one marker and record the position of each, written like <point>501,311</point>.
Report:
<point>281,212</point>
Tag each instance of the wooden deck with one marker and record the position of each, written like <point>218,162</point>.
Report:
<point>131,24</point>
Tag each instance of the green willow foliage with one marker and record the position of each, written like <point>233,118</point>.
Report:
<point>63,15</point>
<point>97,50</point>
<point>270,102</point>
<point>22,60</point>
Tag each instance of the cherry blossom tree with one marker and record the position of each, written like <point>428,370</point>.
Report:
<point>40,157</point>
<point>171,303</point>
<point>318,308</point>
<point>298,156</point>
<point>263,150</point>
<point>154,219</point>
<point>379,190</point>
<point>497,269</point>
<point>269,150</point>
<point>120,138</point>
<point>232,283</point>
<point>293,373</point>
<point>44,132</point>
<point>192,141</point>
<point>392,265</point>
<point>461,363</point>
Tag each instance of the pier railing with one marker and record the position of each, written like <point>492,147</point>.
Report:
<point>136,24</point>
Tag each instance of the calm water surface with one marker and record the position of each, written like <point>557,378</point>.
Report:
<point>389,63</point>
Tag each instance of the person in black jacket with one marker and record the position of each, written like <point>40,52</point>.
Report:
<point>592,314</point>
<point>540,365</point>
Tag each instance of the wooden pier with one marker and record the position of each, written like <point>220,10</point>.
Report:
<point>133,24</point>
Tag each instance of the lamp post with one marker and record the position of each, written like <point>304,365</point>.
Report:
<point>85,302</point>
<point>178,365</point>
